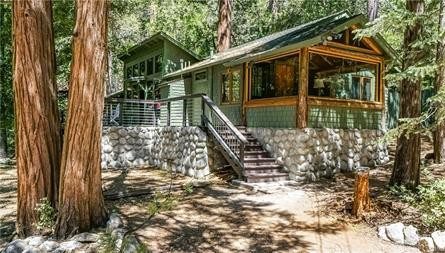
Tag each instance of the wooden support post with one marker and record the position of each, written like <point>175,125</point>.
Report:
<point>362,200</point>
<point>168,113</point>
<point>184,112</point>
<point>302,111</point>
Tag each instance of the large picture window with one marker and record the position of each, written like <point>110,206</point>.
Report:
<point>339,78</point>
<point>231,86</point>
<point>150,64</point>
<point>158,63</point>
<point>275,78</point>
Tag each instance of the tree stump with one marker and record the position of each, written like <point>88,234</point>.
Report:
<point>362,200</point>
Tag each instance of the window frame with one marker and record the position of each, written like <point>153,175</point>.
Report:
<point>161,62</point>
<point>273,101</point>
<point>354,56</point>
<point>201,80</point>
<point>229,72</point>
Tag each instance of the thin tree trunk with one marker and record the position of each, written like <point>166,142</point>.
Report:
<point>81,203</point>
<point>36,114</point>
<point>3,135</point>
<point>362,199</point>
<point>373,9</point>
<point>439,133</point>
<point>224,25</point>
<point>407,159</point>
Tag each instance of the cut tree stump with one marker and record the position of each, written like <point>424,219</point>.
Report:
<point>362,200</point>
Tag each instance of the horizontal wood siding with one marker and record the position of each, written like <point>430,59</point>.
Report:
<point>341,117</point>
<point>277,116</point>
<point>233,112</point>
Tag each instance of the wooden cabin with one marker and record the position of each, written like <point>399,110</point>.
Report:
<point>314,75</point>
<point>146,63</point>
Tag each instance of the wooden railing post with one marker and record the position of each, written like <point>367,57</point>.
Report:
<point>168,113</point>
<point>302,110</point>
<point>121,111</point>
<point>202,111</point>
<point>184,112</point>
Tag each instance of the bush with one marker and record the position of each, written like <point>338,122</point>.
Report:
<point>46,214</point>
<point>431,203</point>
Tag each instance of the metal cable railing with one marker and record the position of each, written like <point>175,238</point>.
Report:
<point>190,110</point>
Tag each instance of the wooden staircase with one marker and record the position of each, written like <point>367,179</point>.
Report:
<point>259,165</point>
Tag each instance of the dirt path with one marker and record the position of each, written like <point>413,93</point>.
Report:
<point>223,218</point>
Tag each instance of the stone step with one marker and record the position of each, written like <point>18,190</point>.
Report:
<point>256,154</point>
<point>259,160</point>
<point>267,177</point>
<point>262,166</point>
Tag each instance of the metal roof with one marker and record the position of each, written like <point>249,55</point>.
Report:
<point>156,37</point>
<point>307,34</point>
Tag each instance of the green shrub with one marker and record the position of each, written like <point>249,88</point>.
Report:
<point>431,203</point>
<point>46,214</point>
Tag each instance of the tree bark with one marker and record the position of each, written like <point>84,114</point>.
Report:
<point>81,203</point>
<point>224,25</point>
<point>407,159</point>
<point>3,135</point>
<point>36,114</point>
<point>362,200</point>
<point>439,132</point>
<point>373,9</point>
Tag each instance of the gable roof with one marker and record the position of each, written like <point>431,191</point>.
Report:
<point>307,34</point>
<point>156,37</point>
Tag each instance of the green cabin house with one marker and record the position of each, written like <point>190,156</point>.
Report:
<point>302,103</point>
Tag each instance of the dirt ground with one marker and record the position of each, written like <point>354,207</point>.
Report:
<point>220,217</point>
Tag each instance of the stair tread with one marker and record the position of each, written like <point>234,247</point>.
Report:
<point>263,166</point>
<point>263,175</point>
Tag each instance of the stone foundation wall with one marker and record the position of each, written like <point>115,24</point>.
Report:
<point>184,149</point>
<point>309,154</point>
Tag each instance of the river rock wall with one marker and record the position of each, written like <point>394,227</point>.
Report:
<point>184,149</point>
<point>309,154</point>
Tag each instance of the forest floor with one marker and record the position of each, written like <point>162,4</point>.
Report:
<point>220,217</point>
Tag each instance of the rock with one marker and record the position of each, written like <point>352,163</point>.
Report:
<point>439,240</point>
<point>118,235</point>
<point>131,245</point>
<point>49,245</point>
<point>16,246</point>
<point>411,236</point>
<point>68,247</point>
<point>85,237</point>
<point>395,232</point>
<point>114,222</point>
<point>382,233</point>
<point>426,245</point>
<point>31,249</point>
<point>34,241</point>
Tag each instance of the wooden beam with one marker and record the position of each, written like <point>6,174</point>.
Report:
<point>266,102</point>
<point>347,54</point>
<point>303,89</point>
<point>333,102</point>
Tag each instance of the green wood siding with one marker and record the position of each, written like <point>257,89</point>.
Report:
<point>341,117</point>
<point>277,116</point>
<point>233,112</point>
<point>173,56</point>
<point>173,89</point>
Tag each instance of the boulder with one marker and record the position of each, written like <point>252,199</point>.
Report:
<point>35,241</point>
<point>426,245</point>
<point>382,233</point>
<point>16,246</point>
<point>395,232</point>
<point>114,222</point>
<point>439,240</point>
<point>411,236</point>
<point>86,237</point>
<point>131,245</point>
<point>68,247</point>
<point>31,249</point>
<point>49,245</point>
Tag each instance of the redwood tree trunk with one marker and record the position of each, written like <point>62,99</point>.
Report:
<point>81,204</point>
<point>373,9</point>
<point>439,133</point>
<point>407,160</point>
<point>3,135</point>
<point>224,25</point>
<point>36,114</point>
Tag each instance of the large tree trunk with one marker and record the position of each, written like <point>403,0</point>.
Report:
<point>373,9</point>
<point>3,135</point>
<point>439,132</point>
<point>36,114</point>
<point>224,25</point>
<point>407,160</point>
<point>81,204</point>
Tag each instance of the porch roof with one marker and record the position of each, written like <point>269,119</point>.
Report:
<point>307,34</point>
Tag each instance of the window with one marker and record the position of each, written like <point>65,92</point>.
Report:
<point>150,64</point>
<point>135,70</point>
<point>158,63</point>
<point>339,78</point>
<point>275,78</point>
<point>201,76</point>
<point>142,68</point>
<point>231,87</point>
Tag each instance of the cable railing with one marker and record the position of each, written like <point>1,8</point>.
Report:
<point>189,110</point>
